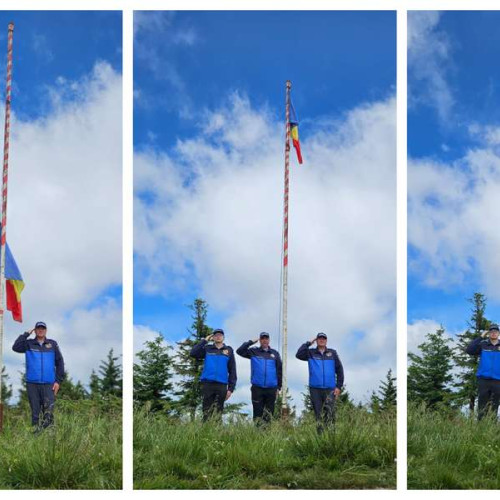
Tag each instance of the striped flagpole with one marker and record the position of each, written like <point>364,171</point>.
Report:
<point>3,237</point>
<point>284,305</point>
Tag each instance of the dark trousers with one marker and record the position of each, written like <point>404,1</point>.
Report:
<point>263,400</point>
<point>214,396</point>
<point>41,398</point>
<point>323,403</point>
<point>488,397</point>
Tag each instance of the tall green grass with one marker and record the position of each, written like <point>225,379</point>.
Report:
<point>359,453</point>
<point>82,451</point>
<point>452,451</point>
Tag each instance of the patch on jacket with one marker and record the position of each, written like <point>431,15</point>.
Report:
<point>329,354</point>
<point>272,355</point>
<point>225,351</point>
<point>48,346</point>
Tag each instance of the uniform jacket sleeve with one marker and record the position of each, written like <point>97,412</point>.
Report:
<point>303,352</point>
<point>279,370</point>
<point>231,367</point>
<point>21,343</point>
<point>198,350</point>
<point>339,371</point>
<point>244,349</point>
<point>59,365</point>
<point>474,348</point>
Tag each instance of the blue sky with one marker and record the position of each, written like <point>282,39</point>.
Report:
<point>453,119</point>
<point>48,45</point>
<point>208,125</point>
<point>65,164</point>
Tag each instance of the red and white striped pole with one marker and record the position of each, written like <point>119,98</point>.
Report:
<point>284,305</point>
<point>3,237</point>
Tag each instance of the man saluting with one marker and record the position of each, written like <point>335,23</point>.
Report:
<point>266,368</point>
<point>326,378</point>
<point>218,378</point>
<point>44,373</point>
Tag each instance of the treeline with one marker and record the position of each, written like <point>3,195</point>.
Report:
<point>167,380</point>
<point>105,384</point>
<point>443,375</point>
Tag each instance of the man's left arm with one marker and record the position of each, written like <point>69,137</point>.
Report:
<point>59,365</point>
<point>339,371</point>
<point>279,370</point>
<point>231,367</point>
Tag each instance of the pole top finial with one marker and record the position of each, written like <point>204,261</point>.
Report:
<point>288,84</point>
<point>11,26</point>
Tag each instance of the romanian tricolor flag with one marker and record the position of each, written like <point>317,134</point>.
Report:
<point>294,132</point>
<point>14,285</point>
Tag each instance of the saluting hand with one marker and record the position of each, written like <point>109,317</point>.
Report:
<point>255,341</point>
<point>313,340</point>
<point>55,388</point>
<point>208,338</point>
<point>228,395</point>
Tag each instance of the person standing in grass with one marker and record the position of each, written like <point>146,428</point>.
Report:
<point>218,378</point>
<point>44,373</point>
<point>266,376</point>
<point>487,347</point>
<point>326,378</point>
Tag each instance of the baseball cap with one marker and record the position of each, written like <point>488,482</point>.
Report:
<point>218,330</point>
<point>264,335</point>
<point>494,326</point>
<point>321,335</point>
<point>40,324</point>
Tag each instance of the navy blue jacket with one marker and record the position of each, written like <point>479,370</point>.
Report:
<point>44,363</point>
<point>325,369</point>
<point>266,366</point>
<point>489,361</point>
<point>219,366</point>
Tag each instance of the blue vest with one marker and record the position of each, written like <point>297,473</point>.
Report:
<point>40,365</point>
<point>322,372</point>
<point>264,373</point>
<point>215,367</point>
<point>489,364</point>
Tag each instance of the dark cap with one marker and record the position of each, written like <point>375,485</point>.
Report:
<point>40,324</point>
<point>264,335</point>
<point>218,330</point>
<point>321,335</point>
<point>493,326</point>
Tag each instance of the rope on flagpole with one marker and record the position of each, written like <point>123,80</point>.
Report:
<point>284,310</point>
<point>3,237</point>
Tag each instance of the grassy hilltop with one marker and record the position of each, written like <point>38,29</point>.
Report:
<point>360,453</point>
<point>82,451</point>
<point>452,451</point>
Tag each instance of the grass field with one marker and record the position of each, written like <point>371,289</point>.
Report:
<point>82,451</point>
<point>452,452</point>
<point>360,453</point>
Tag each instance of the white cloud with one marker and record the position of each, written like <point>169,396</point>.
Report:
<point>64,220</point>
<point>142,334</point>
<point>213,215</point>
<point>417,331</point>
<point>452,216</point>
<point>428,63</point>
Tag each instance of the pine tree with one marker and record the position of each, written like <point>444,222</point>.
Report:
<point>70,390</point>
<point>387,393</point>
<point>6,387</point>
<point>429,375</point>
<point>94,386</point>
<point>307,403</point>
<point>152,376</point>
<point>189,393</point>
<point>110,382</point>
<point>466,384</point>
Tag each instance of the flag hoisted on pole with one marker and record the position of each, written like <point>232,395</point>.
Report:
<point>291,131</point>
<point>3,237</point>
